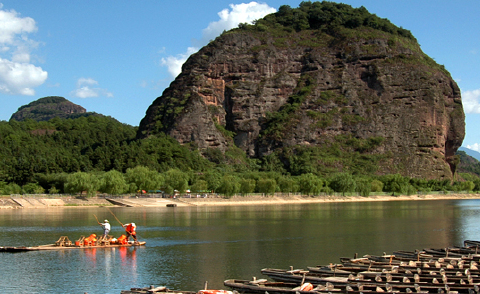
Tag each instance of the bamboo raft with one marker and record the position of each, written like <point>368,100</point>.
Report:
<point>64,243</point>
<point>452,270</point>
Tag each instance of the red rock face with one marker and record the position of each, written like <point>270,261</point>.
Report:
<point>366,88</point>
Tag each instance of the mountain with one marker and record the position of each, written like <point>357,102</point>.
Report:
<point>470,152</point>
<point>467,163</point>
<point>47,108</point>
<point>321,88</point>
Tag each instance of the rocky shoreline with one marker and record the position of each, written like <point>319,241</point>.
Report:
<point>7,202</point>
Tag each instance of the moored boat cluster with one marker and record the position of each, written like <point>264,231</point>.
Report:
<point>447,270</point>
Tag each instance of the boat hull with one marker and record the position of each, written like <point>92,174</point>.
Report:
<point>55,247</point>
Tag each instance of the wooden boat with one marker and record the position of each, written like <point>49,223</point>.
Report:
<point>163,289</point>
<point>452,270</point>
<point>65,243</point>
<point>465,261</point>
<point>471,243</point>
<point>374,281</point>
<point>152,289</point>
<point>301,276</point>
<point>400,281</point>
<point>412,266</point>
<point>263,286</point>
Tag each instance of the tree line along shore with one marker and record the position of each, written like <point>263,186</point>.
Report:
<point>174,181</point>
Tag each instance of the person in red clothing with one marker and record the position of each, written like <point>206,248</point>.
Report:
<point>131,231</point>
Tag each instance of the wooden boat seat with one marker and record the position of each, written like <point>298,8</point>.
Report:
<point>63,241</point>
<point>104,240</point>
<point>80,241</point>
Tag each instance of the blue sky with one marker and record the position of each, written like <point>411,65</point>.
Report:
<point>116,57</point>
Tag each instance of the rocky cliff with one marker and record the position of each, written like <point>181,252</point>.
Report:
<point>47,108</point>
<point>322,77</point>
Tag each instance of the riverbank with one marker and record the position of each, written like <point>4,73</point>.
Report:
<point>39,202</point>
<point>278,200</point>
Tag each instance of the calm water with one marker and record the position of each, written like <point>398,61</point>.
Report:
<point>191,245</point>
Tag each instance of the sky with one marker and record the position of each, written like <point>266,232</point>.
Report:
<point>117,57</point>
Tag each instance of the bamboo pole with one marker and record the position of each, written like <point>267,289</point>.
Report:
<point>115,217</point>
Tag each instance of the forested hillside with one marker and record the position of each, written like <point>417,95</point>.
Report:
<point>468,164</point>
<point>87,144</point>
<point>99,154</point>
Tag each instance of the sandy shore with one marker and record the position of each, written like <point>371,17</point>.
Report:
<point>278,200</point>
<point>38,202</point>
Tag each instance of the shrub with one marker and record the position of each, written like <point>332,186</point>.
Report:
<point>343,182</point>
<point>376,186</point>
<point>267,186</point>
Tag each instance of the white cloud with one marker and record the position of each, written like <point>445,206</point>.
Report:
<point>229,19</point>
<point>14,27</point>
<point>18,76</point>
<point>471,101</point>
<point>174,63</point>
<point>85,90</point>
<point>475,147</point>
<point>240,13</point>
<point>86,81</point>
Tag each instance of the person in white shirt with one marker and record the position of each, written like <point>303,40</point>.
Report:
<point>106,228</point>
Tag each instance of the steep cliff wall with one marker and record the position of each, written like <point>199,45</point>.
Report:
<point>266,88</point>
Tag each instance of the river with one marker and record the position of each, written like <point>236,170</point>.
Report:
<point>187,246</point>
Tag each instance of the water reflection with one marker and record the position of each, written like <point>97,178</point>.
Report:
<point>466,219</point>
<point>191,245</point>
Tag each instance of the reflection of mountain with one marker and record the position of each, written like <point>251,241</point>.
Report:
<point>464,225</point>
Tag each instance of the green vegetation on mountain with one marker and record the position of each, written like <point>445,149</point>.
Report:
<point>326,16</point>
<point>99,154</point>
<point>85,144</point>
<point>47,100</point>
<point>468,164</point>
<point>50,107</point>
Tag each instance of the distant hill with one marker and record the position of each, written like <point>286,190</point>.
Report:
<point>47,108</point>
<point>468,163</point>
<point>470,152</point>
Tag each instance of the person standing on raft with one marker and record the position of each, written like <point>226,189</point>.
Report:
<point>130,229</point>
<point>106,228</point>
